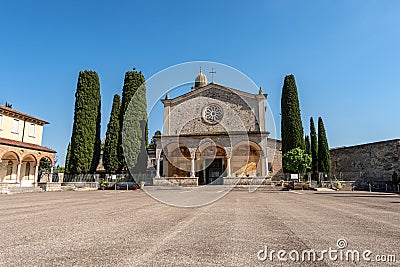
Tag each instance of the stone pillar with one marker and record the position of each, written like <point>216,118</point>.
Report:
<point>51,174</point>
<point>18,172</point>
<point>228,151</point>
<point>158,167</point>
<point>36,175</point>
<point>192,173</point>
<point>228,167</point>
<point>264,166</point>
<point>165,166</point>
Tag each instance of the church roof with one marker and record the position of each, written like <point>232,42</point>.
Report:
<point>211,86</point>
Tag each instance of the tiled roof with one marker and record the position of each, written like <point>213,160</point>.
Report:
<point>18,114</point>
<point>4,141</point>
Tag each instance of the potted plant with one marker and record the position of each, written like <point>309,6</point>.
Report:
<point>103,184</point>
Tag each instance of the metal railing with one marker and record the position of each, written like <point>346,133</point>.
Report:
<point>73,178</point>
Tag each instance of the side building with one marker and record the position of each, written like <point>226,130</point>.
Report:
<point>367,162</point>
<point>21,149</point>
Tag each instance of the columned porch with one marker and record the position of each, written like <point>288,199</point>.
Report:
<point>20,163</point>
<point>209,163</point>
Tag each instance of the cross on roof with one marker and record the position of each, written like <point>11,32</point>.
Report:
<point>212,75</point>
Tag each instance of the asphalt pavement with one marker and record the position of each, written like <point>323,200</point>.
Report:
<point>130,228</point>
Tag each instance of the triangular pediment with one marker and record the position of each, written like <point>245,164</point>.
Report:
<point>212,86</point>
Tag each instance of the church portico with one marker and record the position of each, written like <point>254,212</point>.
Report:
<point>211,162</point>
<point>212,133</point>
<point>210,157</point>
<point>245,160</point>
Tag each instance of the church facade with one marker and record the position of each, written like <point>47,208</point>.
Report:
<point>213,135</point>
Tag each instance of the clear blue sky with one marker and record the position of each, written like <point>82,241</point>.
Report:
<point>344,54</point>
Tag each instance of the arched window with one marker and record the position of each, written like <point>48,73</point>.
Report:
<point>9,170</point>
<point>27,170</point>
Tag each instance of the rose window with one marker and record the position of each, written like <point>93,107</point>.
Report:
<point>212,114</point>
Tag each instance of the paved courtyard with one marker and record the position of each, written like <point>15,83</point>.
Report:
<point>119,228</point>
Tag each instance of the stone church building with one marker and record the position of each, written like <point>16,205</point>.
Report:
<point>214,135</point>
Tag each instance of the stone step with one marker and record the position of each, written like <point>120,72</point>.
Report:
<point>17,190</point>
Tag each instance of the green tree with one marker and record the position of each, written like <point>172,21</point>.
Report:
<point>291,124</point>
<point>110,156</point>
<point>395,179</point>
<point>152,143</point>
<point>324,158</point>
<point>44,166</point>
<point>59,169</point>
<point>314,150</point>
<point>307,144</point>
<point>85,140</point>
<point>296,161</point>
<point>133,121</point>
<point>67,158</point>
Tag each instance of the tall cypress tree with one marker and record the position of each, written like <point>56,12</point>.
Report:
<point>67,158</point>
<point>314,150</point>
<point>133,117</point>
<point>85,140</point>
<point>110,156</point>
<point>291,125</point>
<point>324,158</point>
<point>307,145</point>
<point>307,150</point>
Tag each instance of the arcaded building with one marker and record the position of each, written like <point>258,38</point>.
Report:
<point>21,149</point>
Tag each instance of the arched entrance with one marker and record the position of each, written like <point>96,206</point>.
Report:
<point>211,163</point>
<point>9,169</point>
<point>246,160</point>
<point>45,168</point>
<point>178,158</point>
<point>28,170</point>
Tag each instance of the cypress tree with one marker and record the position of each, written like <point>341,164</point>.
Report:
<point>67,158</point>
<point>395,180</point>
<point>133,119</point>
<point>291,125</point>
<point>110,156</point>
<point>324,158</point>
<point>314,150</point>
<point>85,140</point>
<point>307,145</point>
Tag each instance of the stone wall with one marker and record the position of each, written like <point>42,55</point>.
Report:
<point>81,184</point>
<point>274,150</point>
<point>179,181</point>
<point>50,187</point>
<point>367,162</point>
